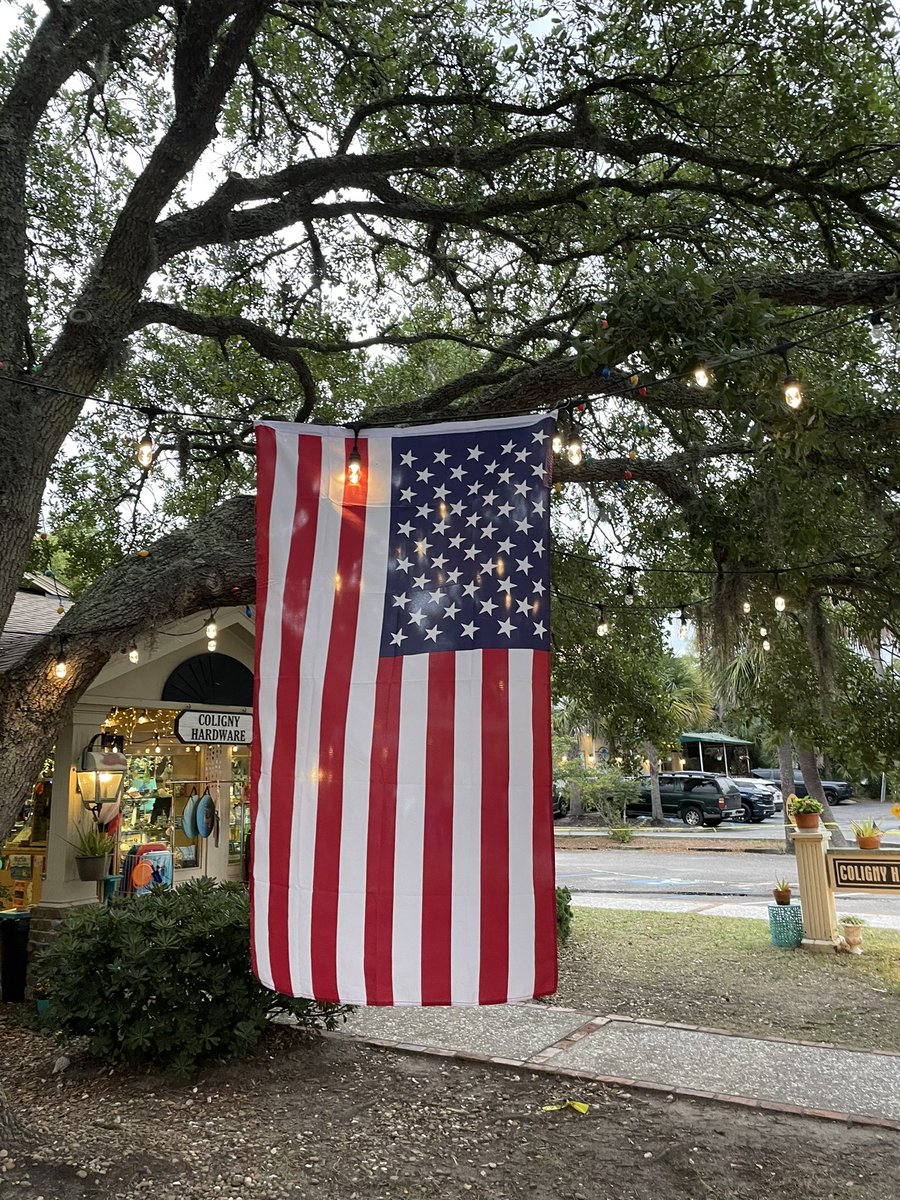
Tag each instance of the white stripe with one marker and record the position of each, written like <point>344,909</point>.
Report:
<point>465,939</point>
<point>521,820</point>
<point>311,672</point>
<point>409,839</point>
<point>361,732</point>
<point>281,518</point>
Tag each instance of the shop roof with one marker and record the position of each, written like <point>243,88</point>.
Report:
<point>31,613</point>
<point>717,739</point>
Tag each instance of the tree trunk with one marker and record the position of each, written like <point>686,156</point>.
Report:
<point>574,800</point>
<point>208,564</point>
<point>807,762</point>
<point>786,771</point>
<point>656,809</point>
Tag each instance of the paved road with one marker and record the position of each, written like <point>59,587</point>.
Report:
<point>744,878</point>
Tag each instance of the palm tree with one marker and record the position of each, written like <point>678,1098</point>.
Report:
<point>686,699</point>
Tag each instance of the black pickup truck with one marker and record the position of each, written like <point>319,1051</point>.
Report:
<point>836,790</point>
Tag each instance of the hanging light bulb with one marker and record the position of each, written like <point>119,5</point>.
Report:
<point>157,749</point>
<point>574,448</point>
<point>763,631</point>
<point>354,461</point>
<point>629,591</point>
<point>211,645</point>
<point>879,329</point>
<point>133,654</point>
<point>746,606</point>
<point>145,451</point>
<point>61,669</point>
<point>558,442</point>
<point>701,374</point>
<point>779,602</point>
<point>683,629</point>
<point>602,624</point>
<point>211,628</point>
<point>793,394</point>
<point>767,645</point>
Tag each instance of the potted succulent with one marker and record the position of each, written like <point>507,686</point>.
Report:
<point>868,834</point>
<point>805,811</point>
<point>782,891</point>
<point>852,928</point>
<point>93,852</point>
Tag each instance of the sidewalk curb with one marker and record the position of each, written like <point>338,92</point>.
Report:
<point>541,1063</point>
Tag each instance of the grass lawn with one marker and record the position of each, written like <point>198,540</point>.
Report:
<point>725,973</point>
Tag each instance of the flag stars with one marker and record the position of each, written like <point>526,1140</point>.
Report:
<point>469,630</point>
<point>398,638</point>
<point>538,587</point>
<point>441,493</point>
<point>488,530</point>
<point>507,447</point>
<point>487,568</point>
<point>451,611</point>
<point>506,627</point>
<point>436,596</point>
<point>416,618</point>
<point>523,606</point>
<point>475,452</point>
<point>538,549</point>
<point>521,489</point>
<point>470,589</point>
<point>421,581</point>
<point>423,510</point>
<point>424,475</point>
<point>404,564</point>
<point>523,564</point>
<point>441,456</point>
<point>538,469</point>
<point>538,507</point>
<point>505,509</point>
<point>457,508</point>
<point>470,552</point>
<point>539,628</point>
<point>521,455</point>
<point>406,529</point>
<point>407,495</point>
<point>539,437</point>
<point>488,606</point>
<point>505,476</point>
<point>488,498</point>
<point>401,601</point>
<point>475,488</point>
<point>408,459</point>
<point>439,562</point>
<point>506,585</point>
<point>524,525</point>
<point>456,541</point>
<point>457,473</point>
<point>440,527</point>
<point>432,633</point>
<point>490,467</point>
<point>422,547</point>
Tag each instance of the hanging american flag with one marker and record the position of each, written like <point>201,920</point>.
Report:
<point>402,822</point>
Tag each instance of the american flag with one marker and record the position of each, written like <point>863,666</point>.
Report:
<point>402,816</point>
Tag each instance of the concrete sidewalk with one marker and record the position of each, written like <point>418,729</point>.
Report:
<point>809,1078</point>
<point>707,906</point>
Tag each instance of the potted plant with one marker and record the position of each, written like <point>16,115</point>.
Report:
<point>852,928</point>
<point>93,852</point>
<point>782,891</point>
<point>868,835</point>
<point>805,811</point>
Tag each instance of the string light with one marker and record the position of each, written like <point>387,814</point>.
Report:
<point>145,451</point>
<point>212,629</point>
<point>211,645</point>
<point>354,461</point>
<point>767,645</point>
<point>683,629</point>
<point>763,631</point>
<point>629,590</point>
<point>575,448</point>
<point>879,329</point>
<point>746,606</point>
<point>133,654</point>
<point>558,440</point>
<point>602,624</point>
<point>780,602</point>
<point>701,374</point>
<point>793,394</point>
<point>61,668</point>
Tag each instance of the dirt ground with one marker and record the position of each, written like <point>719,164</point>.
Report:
<point>339,1121</point>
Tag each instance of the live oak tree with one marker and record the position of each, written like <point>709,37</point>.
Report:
<point>231,208</point>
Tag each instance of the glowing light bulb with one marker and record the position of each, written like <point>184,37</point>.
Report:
<point>629,595</point>
<point>60,670</point>
<point>746,606</point>
<point>354,465</point>
<point>157,749</point>
<point>602,624</point>
<point>879,329</point>
<point>145,451</point>
<point>780,604</point>
<point>211,645</point>
<point>763,631</point>
<point>767,645</point>
<point>793,395</point>
<point>683,628</point>
<point>133,654</point>
<point>701,375</point>
<point>211,629</point>
<point>143,719</point>
<point>575,450</point>
<point>557,442</point>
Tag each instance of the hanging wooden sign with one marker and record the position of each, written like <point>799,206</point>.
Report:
<point>864,871</point>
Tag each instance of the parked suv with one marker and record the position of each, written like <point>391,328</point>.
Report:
<point>698,797</point>
<point>760,799</point>
<point>836,790</point>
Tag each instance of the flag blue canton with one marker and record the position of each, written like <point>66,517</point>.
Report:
<point>468,558</point>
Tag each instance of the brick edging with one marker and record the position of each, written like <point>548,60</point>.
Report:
<point>545,1068</point>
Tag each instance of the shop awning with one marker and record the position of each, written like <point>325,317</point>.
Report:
<point>717,739</point>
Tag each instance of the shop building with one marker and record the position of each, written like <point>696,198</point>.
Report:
<point>184,718</point>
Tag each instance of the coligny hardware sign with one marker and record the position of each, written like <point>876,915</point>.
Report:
<point>197,727</point>
<point>863,871</point>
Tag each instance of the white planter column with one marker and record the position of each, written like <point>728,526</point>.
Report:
<point>816,897</point>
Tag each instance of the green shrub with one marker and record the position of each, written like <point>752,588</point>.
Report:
<point>563,915</point>
<point>606,791</point>
<point>621,833</point>
<point>165,979</point>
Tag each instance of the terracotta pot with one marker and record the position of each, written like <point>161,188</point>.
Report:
<point>872,842</point>
<point>853,938</point>
<point>807,820</point>
<point>782,895</point>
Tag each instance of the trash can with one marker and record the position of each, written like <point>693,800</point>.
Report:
<point>14,928</point>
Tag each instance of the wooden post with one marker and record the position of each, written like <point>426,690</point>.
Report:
<point>816,896</point>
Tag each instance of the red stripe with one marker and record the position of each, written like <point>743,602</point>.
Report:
<point>265,474</point>
<point>494,968</point>
<point>379,921</point>
<point>437,865</point>
<point>333,736</point>
<point>545,968</point>
<point>294,602</point>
